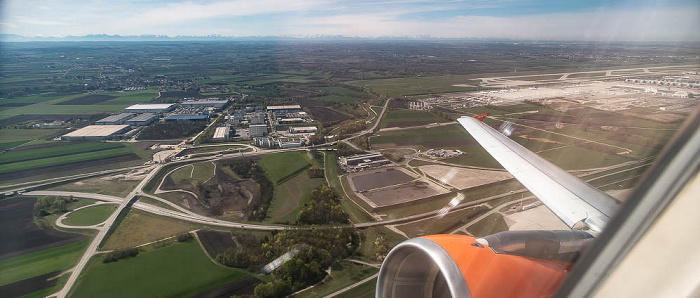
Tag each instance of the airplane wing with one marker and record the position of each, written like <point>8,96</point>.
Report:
<point>570,198</point>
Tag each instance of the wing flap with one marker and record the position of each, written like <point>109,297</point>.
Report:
<point>570,198</point>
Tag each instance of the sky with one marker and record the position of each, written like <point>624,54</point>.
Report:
<point>600,20</point>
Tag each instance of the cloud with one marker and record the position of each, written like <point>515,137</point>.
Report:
<point>35,21</point>
<point>604,25</point>
<point>8,25</point>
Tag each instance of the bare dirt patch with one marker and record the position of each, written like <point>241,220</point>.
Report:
<point>220,195</point>
<point>405,193</point>
<point>364,181</point>
<point>463,178</point>
<point>324,114</point>
<point>20,235</point>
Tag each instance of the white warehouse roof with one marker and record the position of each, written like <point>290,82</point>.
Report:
<point>155,106</point>
<point>96,131</point>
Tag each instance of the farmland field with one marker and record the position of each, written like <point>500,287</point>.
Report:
<point>87,99</point>
<point>493,223</point>
<point>180,269</point>
<point>138,228</point>
<point>58,160</point>
<point>49,261</point>
<point>54,149</point>
<point>21,235</point>
<point>441,225</point>
<point>323,114</point>
<point>90,215</point>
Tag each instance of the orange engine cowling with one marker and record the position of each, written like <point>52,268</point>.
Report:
<point>462,266</point>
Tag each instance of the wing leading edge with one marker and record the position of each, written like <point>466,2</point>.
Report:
<point>570,198</point>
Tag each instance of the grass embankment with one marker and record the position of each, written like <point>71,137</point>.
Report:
<point>138,228</point>
<point>90,215</point>
<point>332,171</point>
<point>342,275</point>
<point>290,196</point>
<point>40,263</point>
<point>442,225</point>
<point>493,223</point>
<point>282,166</point>
<point>177,270</point>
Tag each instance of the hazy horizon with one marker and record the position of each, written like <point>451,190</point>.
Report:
<point>643,21</point>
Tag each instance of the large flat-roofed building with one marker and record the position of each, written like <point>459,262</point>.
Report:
<point>257,118</point>
<point>290,120</point>
<point>221,133</point>
<point>95,132</point>
<point>284,109</point>
<point>115,119</point>
<point>142,120</point>
<point>303,129</point>
<point>258,130</point>
<point>187,118</point>
<point>157,108</point>
<point>205,103</point>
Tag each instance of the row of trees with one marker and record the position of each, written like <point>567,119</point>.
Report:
<point>49,205</point>
<point>119,254</point>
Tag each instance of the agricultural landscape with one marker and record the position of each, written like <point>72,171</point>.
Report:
<point>330,151</point>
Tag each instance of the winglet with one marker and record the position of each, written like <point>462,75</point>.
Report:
<point>481,117</point>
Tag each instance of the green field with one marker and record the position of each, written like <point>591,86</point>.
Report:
<point>193,173</point>
<point>41,262</point>
<point>420,85</point>
<point>116,187</point>
<point>8,135</point>
<point>290,196</point>
<point>343,274</point>
<point>59,160</point>
<point>180,269</point>
<point>281,166</point>
<point>365,290</point>
<point>404,118</point>
<point>90,215</point>
<point>60,149</point>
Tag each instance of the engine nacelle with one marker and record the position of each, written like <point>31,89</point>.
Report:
<point>462,266</point>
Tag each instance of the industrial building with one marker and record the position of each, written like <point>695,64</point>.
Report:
<point>303,129</point>
<point>142,120</point>
<point>284,109</point>
<point>221,134</point>
<point>258,130</point>
<point>362,161</point>
<point>267,142</point>
<point>115,119</point>
<point>290,120</point>
<point>150,108</point>
<point>95,132</point>
<point>257,118</point>
<point>187,118</point>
